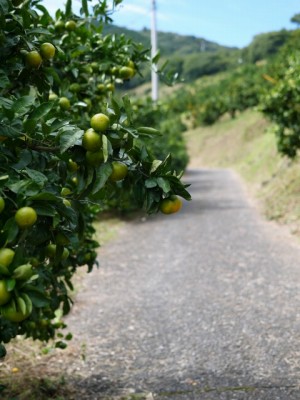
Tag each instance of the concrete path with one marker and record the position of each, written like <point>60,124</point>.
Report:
<point>204,304</point>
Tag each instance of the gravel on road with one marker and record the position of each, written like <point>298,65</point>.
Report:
<point>202,304</point>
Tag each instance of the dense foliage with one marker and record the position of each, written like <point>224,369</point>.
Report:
<point>282,105</point>
<point>67,147</point>
<point>208,100</point>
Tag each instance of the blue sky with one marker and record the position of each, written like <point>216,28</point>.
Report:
<point>227,22</point>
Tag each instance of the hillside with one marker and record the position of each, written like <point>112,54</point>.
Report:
<point>248,145</point>
<point>169,43</point>
<point>193,57</point>
<point>190,56</point>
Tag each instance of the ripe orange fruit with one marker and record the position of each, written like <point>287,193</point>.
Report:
<point>170,205</point>
<point>91,140</point>
<point>100,122</point>
<point>33,59</point>
<point>25,217</point>
<point>119,171</point>
<point>47,51</point>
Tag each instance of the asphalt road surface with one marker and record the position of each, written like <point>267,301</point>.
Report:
<point>203,304</point>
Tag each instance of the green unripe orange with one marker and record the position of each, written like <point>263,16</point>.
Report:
<point>33,59</point>
<point>47,51</point>
<point>72,166</point>
<point>25,217</point>
<point>110,87</point>
<point>70,25</point>
<point>51,251</point>
<point>2,204</point>
<point>5,295</point>
<point>91,140</point>
<point>119,171</point>
<point>53,96</point>
<point>6,256</point>
<point>126,73</point>
<point>64,103</point>
<point>75,87</point>
<point>100,122</point>
<point>59,25</point>
<point>65,191</point>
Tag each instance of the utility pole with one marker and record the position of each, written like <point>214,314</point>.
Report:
<point>154,76</point>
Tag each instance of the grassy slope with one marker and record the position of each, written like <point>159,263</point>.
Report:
<point>248,145</point>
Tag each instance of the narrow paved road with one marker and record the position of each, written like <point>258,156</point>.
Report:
<point>204,304</point>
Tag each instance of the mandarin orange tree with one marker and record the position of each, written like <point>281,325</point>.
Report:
<point>67,145</point>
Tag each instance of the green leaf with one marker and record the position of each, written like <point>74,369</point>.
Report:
<point>46,196</point>
<point>2,355</point>
<point>107,148</point>
<point>39,178</point>
<point>102,175</point>
<point>164,184</point>
<point>156,58</point>
<point>25,186</point>
<point>41,111</point>
<point>10,284</point>
<point>116,107</point>
<point>10,229</point>
<point>23,104</point>
<point>41,31</point>
<point>127,106</point>
<point>61,345</point>
<point>68,8</point>
<point>150,183</point>
<point>57,124</point>
<point>37,296</point>
<point>4,270</point>
<point>155,165</point>
<point>6,103</point>
<point>45,209</point>
<point>161,168</point>
<point>25,158</point>
<point>68,138</point>
<point>179,188</point>
<point>9,131</point>
<point>4,81</point>
<point>148,131</point>
<point>85,8</point>
<point>43,9</point>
